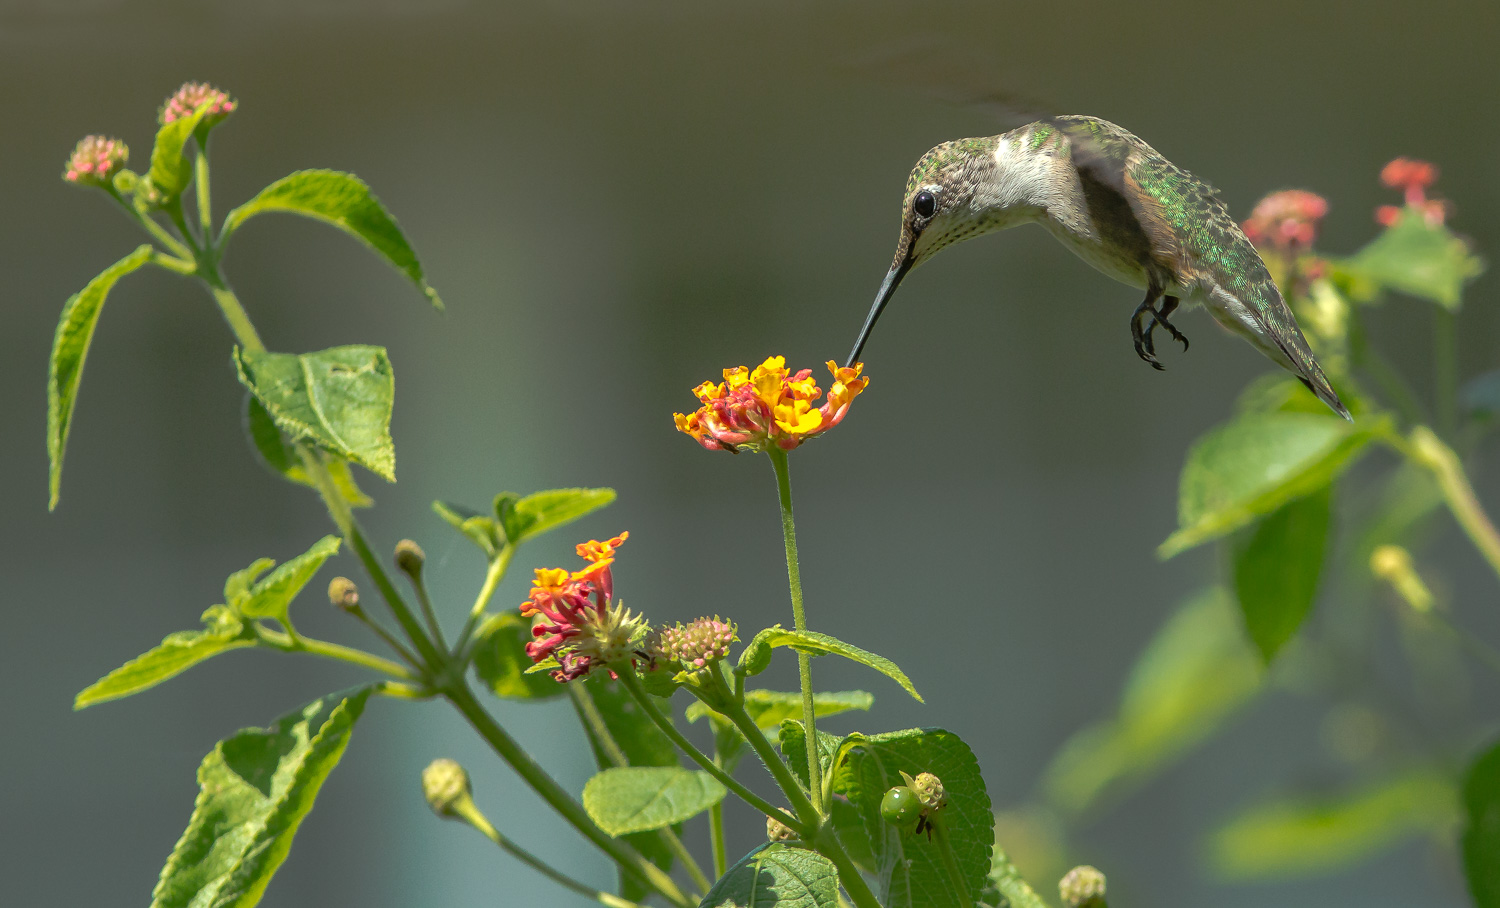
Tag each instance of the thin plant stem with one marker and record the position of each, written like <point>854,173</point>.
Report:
<point>200,183</point>
<point>734,711</point>
<point>1445,368</point>
<point>428,613</point>
<point>234,314</point>
<point>588,711</point>
<point>633,684</point>
<point>828,845</point>
<point>149,224</point>
<point>398,691</point>
<point>470,813</point>
<point>387,636</point>
<point>1426,449</point>
<point>289,643</point>
<point>179,220</point>
<point>716,829</point>
<point>173,263</point>
<point>498,566</point>
<point>799,620</point>
<point>630,860</point>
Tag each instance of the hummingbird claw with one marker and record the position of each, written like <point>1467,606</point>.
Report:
<point>1168,306</point>
<point>1141,333</point>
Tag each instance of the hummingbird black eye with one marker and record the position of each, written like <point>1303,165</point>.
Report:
<point>924,205</point>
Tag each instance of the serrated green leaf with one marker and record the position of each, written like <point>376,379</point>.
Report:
<point>70,347</point>
<point>1420,259</point>
<point>171,169</point>
<point>176,654</point>
<point>1277,566</point>
<point>1197,671</point>
<point>777,875</point>
<point>278,456</point>
<point>1308,835</point>
<point>816,644</point>
<point>343,200</point>
<point>909,868</point>
<point>1256,463</point>
<point>1006,888</point>
<point>271,596</point>
<point>628,799</point>
<point>480,529</point>
<point>237,585</point>
<point>255,789</point>
<point>500,659</point>
<point>769,707</point>
<point>529,517</point>
<point>1481,836</point>
<point>792,739</point>
<point>339,399</point>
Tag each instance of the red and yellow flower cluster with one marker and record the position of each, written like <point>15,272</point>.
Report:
<point>1286,220</point>
<point>751,410</point>
<point>1413,178</point>
<point>576,624</point>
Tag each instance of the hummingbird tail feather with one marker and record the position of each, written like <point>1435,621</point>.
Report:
<point>1272,329</point>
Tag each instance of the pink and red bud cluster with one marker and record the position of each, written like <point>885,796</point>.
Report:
<point>753,410</point>
<point>1286,220</point>
<point>193,95</point>
<point>1413,178</point>
<point>697,644</point>
<point>95,161</point>
<point>576,624</point>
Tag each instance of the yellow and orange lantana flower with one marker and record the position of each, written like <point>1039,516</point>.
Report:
<point>751,410</point>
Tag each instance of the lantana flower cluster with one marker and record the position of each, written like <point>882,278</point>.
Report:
<point>1413,178</point>
<point>1286,220</point>
<point>695,645</point>
<point>95,160</point>
<point>193,95</point>
<point>751,410</point>
<point>576,623</point>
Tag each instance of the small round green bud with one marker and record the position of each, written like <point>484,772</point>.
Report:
<point>343,593</point>
<point>777,831</point>
<point>445,784</point>
<point>755,658</point>
<point>929,790</point>
<point>410,557</point>
<point>900,807</point>
<point>1082,887</point>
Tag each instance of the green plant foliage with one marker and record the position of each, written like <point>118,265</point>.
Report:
<point>343,200</point>
<point>1006,888</point>
<point>816,644</point>
<point>281,458</point>
<point>1300,836</point>
<point>223,631</point>
<point>1197,671</point>
<point>781,875</point>
<point>256,788</point>
<point>272,596</point>
<point>480,529</point>
<point>909,868</point>
<point>171,169</point>
<point>1276,569</point>
<point>1255,464</point>
<point>792,739</point>
<point>70,347</point>
<point>339,399</point>
<point>1481,837</point>
<point>628,799</point>
<point>768,708</point>
<point>537,513</point>
<point>500,660</point>
<point>1420,259</point>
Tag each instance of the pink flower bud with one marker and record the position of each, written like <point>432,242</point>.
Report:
<point>193,95</point>
<point>96,160</point>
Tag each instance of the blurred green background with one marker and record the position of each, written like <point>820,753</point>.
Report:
<point>617,200</point>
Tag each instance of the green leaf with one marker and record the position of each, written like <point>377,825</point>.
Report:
<point>500,659</point>
<point>1006,888</point>
<point>70,347</point>
<point>1481,836</point>
<point>256,788</point>
<point>339,399</point>
<point>343,200</point>
<point>176,654</point>
<point>816,644</point>
<point>637,798</point>
<point>792,739</point>
<point>1254,465</point>
<point>777,875</point>
<point>909,868</point>
<point>1309,835</point>
<point>1196,672</point>
<point>272,596</point>
<point>1420,259</point>
<point>237,585</point>
<point>278,456</point>
<point>769,707</point>
<point>171,170</point>
<point>1277,566</point>
<point>480,529</point>
<point>529,517</point>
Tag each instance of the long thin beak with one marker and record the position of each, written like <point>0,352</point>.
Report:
<point>887,290</point>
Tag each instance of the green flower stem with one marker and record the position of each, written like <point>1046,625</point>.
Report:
<point>173,263</point>
<point>828,845</point>
<point>470,813</point>
<point>799,620</point>
<point>1426,449</point>
<point>733,709</point>
<point>179,220</point>
<point>390,640</point>
<point>498,566</point>
<point>234,313</point>
<point>583,701</point>
<point>149,224</point>
<point>633,684</point>
<point>200,183</point>
<point>950,861</point>
<point>1016,891</point>
<point>628,858</point>
<point>291,644</point>
<point>716,829</point>
<point>398,691</point>
<point>428,613</point>
<point>1445,368</point>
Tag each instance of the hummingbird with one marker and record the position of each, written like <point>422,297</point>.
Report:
<point>1120,206</point>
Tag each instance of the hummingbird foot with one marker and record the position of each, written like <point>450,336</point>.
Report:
<point>1159,317</point>
<point>1141,334</point>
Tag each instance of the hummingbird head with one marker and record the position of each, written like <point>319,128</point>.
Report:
<point>949,198</point>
